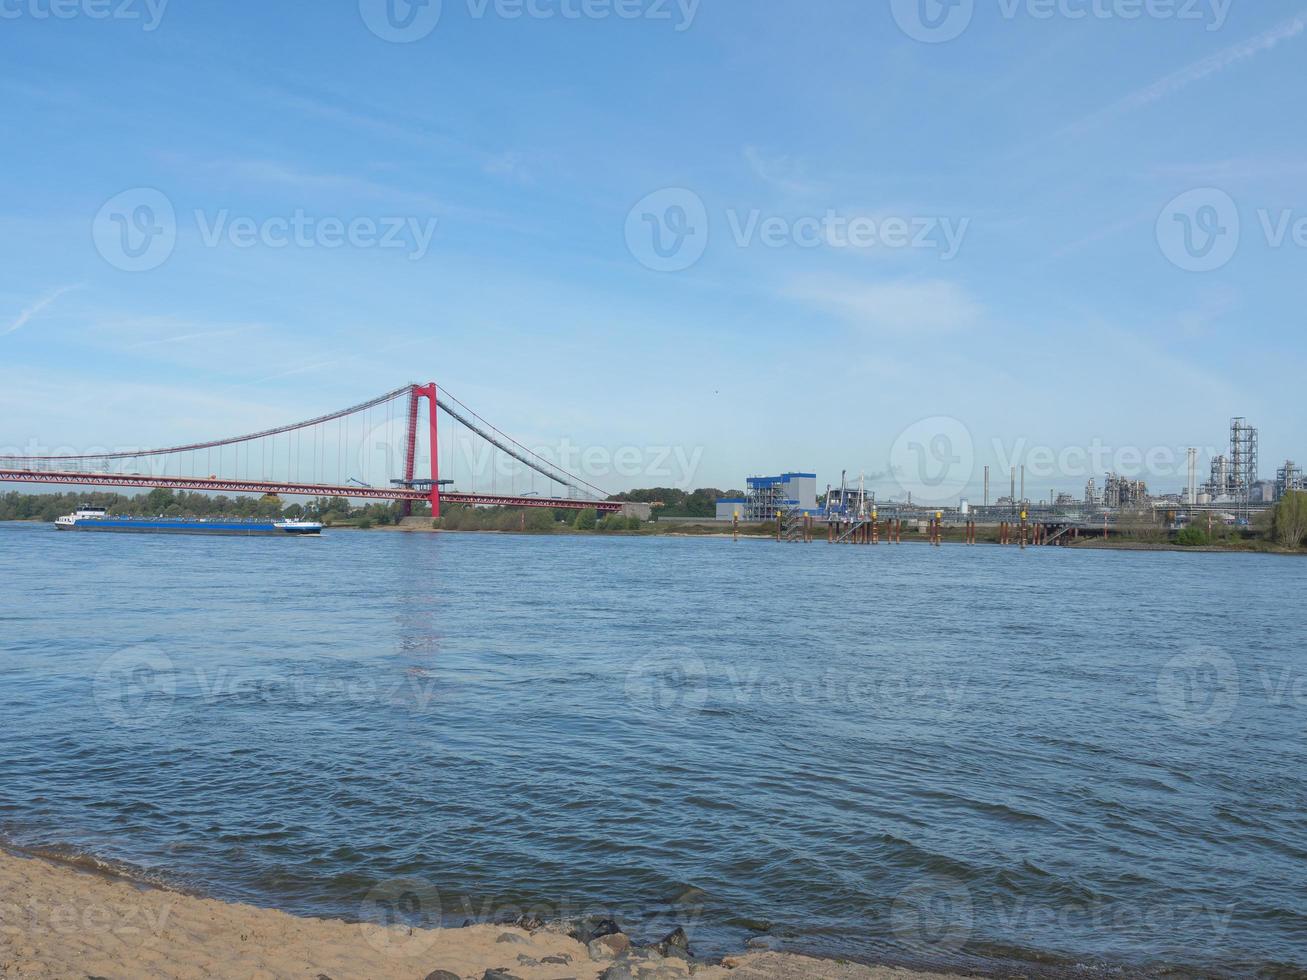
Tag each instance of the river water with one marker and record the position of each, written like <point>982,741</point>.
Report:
<point>956,757</point>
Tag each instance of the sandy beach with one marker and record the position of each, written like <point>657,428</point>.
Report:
<point>57,921</point>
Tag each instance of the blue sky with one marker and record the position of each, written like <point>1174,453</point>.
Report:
<point>1020,193</point>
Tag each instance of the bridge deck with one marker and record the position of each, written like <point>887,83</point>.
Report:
<point>220,485</point>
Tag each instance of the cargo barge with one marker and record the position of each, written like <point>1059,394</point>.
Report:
<point>97,519</point>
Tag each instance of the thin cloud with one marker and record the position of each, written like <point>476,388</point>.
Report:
<point>182,338</point>
<point>1196,72</point>
<point>932,306</point>
<point>35,308</point>
<point>779,172</point>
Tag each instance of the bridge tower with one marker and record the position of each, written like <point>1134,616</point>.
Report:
<point>415,396</point>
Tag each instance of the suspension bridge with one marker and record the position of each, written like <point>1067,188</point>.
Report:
<point>371,451</point>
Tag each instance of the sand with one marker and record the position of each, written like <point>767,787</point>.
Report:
<point>57,921</point>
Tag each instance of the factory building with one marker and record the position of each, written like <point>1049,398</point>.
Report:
<point>1120,491</point>
<point>1289,478</point>
<point>768,494</point>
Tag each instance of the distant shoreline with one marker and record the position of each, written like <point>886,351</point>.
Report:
<point>686,528</point>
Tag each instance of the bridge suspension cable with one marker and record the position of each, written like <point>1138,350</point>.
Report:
<point>219,443</point>
<point>366,450</point>
<point>512,447</point>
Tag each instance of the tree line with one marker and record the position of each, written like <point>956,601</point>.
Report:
<point>671,502</point>
<point>162,502</point>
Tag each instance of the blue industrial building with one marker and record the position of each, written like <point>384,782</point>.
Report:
<point>768,494</point>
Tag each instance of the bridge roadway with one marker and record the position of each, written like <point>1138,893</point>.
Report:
<point>220,485</point>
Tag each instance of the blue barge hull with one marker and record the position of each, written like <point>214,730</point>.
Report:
<point>167,526</point>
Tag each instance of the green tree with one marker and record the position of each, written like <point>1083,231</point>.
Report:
<point>158,500</point>
<point>585,519</point>
<point>540,521</point>
<point>1290,521</point>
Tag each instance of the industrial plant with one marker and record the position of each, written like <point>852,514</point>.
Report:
<point>1232,494</point>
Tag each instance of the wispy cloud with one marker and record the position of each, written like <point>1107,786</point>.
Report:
<point>184,337</point>
<point>780,172</point>
<point>286,175</point>
<point>36,307</point>
<point>510,163</point>
<point>898,307</point>
<point>1196,72</point>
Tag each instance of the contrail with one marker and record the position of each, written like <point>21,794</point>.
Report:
<point>33,309</point>
<point>1195,72</point>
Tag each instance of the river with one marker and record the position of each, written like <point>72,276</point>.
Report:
<point>955,757</point>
